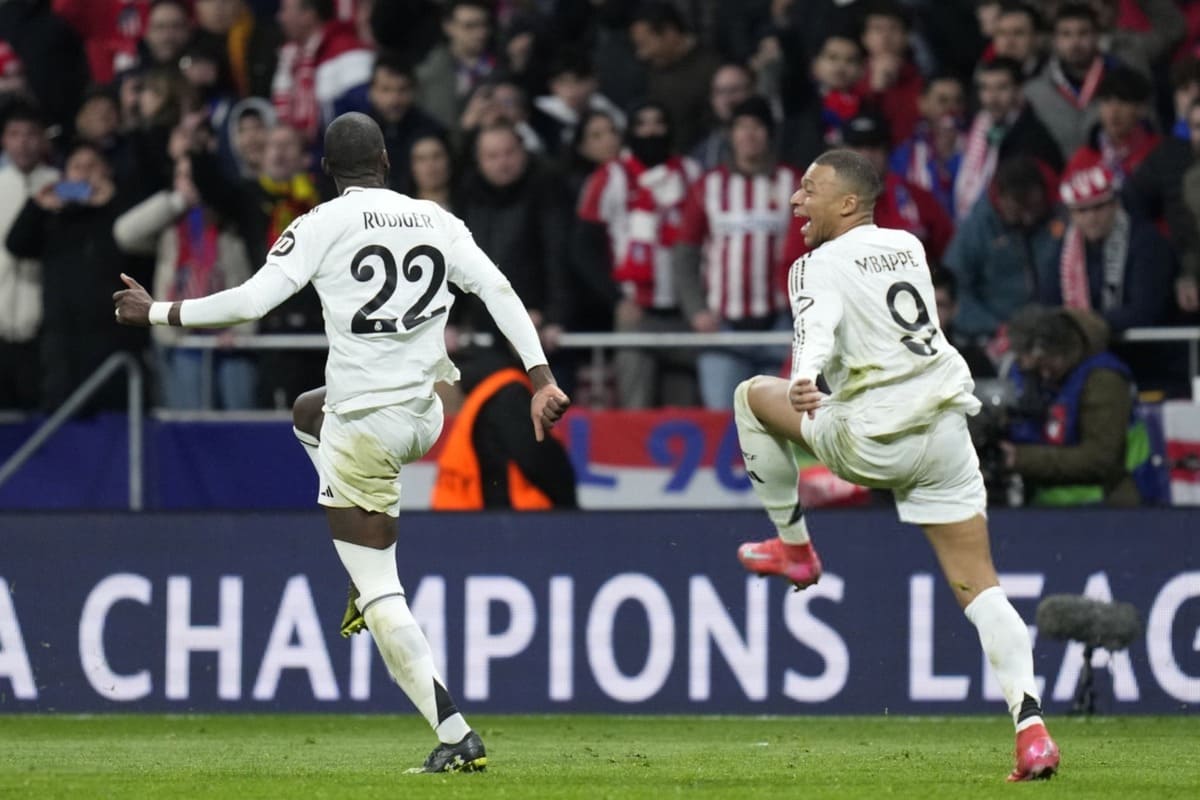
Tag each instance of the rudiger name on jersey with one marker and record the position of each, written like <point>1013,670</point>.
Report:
<point>379,219</point>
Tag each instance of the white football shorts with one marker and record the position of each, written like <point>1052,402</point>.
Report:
<point>362,452</point>
<point>933,471</point>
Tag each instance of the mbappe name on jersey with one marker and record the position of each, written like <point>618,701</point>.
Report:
<point>380,219</point>
<point>889,262</point>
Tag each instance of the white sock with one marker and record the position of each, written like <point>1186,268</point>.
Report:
<point>1006,643</point>
<point>400,641</point>
<point>771,466</point>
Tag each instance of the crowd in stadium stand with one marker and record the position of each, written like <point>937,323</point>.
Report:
<point>627,164</point>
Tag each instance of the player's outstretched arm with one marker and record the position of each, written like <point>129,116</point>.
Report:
<point>268,287</point>
<point>549,402</point>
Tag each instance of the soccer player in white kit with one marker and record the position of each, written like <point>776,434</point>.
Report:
<point>381,263</point>
<point>865,317</point>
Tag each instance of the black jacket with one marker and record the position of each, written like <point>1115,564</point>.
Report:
<point>523,228</point>
<point>1028,136</point>
<point>398,139</point>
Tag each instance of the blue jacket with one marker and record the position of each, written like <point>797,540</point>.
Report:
<point>1150,267</point>
<point>998,268</point>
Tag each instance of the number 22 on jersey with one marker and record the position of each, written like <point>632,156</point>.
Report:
<point>422,265</point>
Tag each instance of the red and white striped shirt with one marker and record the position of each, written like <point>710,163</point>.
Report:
<point>742,222</point>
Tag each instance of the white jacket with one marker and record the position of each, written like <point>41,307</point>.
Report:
<point>20,278</point>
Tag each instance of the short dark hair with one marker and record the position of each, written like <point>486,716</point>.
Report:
<point>1020,7</point>
<point>840,33</point>
<point>1004,64</point>
<point>660,16</point>
<point>570,62</point>
<point>22,111</point>
<point>454,5</point>
<point>394,63</point>
<point>885,8</point>
<point>1082,11</point>
<point>326,9</point>
<point>857,171</point>
<point>1055,333</point>
<point>353,143</point>
<point>1125,84</point>
<point>938,77</point>
<point>180,4</point>
<point>1185,72</point>
<point>1019,175</point>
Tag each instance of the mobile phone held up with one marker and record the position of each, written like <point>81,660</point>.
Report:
<point>73,191</point>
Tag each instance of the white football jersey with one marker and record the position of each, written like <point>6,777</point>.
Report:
<point>865,317</point>
<point>382,263</point>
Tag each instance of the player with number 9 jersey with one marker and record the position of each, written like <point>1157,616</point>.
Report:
<point>895,418</point>
<point>864,316</point>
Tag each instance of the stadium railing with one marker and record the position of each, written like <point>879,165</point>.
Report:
<point>111,365</point>
<point>598,343</point>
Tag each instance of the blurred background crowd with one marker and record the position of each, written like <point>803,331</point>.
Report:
<point>627,164</point>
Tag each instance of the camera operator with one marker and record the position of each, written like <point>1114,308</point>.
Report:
<point>1080,454</point>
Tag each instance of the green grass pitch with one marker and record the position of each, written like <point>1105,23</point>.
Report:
<point>360,757</point>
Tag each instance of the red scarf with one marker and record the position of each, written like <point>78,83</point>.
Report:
<point>978,164</point>
<point>655,202</point>
<point>196,274</point>
<point>295,96</point>
<point>1072,267</point>
<point>1082,98</point>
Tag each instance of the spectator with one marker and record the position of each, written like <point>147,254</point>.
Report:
<point>201,68</point>
<point>1123,137</point>
<point>47,56</point>
<point>1156,192</point>
<point>500,101</point>
<point>1018,35</point>
<point>164,98</point>
<point>452,70</point>
<point>251,44</point>
<point>931,158</point>
<point>168,29</point>
<point>432,171</point>
<point>68,227</point>
<point>1004,127</point>
<point>489,460</point>
<point>731,84</point>
<point>196,254</point>
<point>23,174</point>
<point>110,30</point>
<point>1064,94</point>
<point>245,140</point>
<point>518,215</point>
<point>890,80</point>
<point>1140,49</point>
<point>391,98</point>
<point>726,259</point>
<point>99,121</point>
<point>262,207</point>
<point>574,92</point>
<point>836,71</point>
<point>629,218</point>
<point>902,205</point>
<point>1080,455</point>
<point>1120,267</point>
<point>1187,292</point>
<point>321,63</point>
<point>1185,91</point>
<point>596,142</point>
<point>678,69</point>
<point>1010,238</point>
<point>945,291</point>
